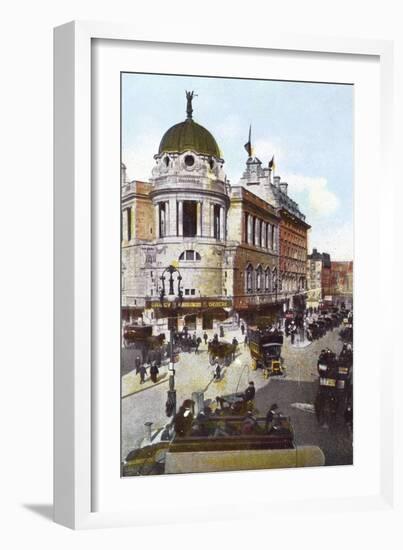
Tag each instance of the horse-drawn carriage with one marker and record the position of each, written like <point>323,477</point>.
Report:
<point>140,337</point>
<point>221,352</point>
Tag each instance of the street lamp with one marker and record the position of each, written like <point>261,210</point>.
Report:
<point>175,299</point>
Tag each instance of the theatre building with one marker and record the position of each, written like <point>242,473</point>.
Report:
<point>223,240</point>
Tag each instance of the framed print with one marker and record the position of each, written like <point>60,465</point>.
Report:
<point>217,232</point>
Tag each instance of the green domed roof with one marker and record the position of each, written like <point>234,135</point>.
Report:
<point>189,135</point>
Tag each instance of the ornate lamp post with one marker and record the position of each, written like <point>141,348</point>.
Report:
<point>175,300</point>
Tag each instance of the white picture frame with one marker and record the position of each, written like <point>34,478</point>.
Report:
<point>76,468</point>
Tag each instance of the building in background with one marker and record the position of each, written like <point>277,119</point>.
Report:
<point>329,281</point>
<point>240,250</point>
<point>341,283</point>
<point>293,231</point>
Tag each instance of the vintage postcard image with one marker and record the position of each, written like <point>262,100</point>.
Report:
<point>236,274</point>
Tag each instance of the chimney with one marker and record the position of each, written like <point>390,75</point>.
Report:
<point>276,180</point>
<point>284,187</point>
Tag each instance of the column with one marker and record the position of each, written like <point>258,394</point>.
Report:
<point>199,219</point>
<point>245,227</point>
<point>205,213</point>
<point>263,230</point>
<point>167,226</point>
<point>180,218</point>
<point>250,222</point>
<point>172,217</point>
<point>222,223</point>
<point>157,220</point>
<point>212,220</point>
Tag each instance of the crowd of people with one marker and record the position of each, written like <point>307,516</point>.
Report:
<point>239,418</point>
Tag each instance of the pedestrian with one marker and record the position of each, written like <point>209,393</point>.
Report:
<point>217,372</point>
<point>348,417</point>
<point>242,329</point>
<point>142,372</point>
<point>205,337</point>
<point>234,347</point>
<point>221,331</point>
<point>249,393</point>
<point>137,363</point>
<point>245,342</point>
<point>154,372</point>
<point>198,342</point>
<point>292,332</point>
<point>184,418</point>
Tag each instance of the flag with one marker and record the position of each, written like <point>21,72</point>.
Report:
<point>248,146</point>
<point>272,164</point>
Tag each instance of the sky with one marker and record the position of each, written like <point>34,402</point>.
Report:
<point>308,127</point>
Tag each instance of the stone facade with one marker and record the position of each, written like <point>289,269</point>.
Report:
<point>226,241</point>
<point>341,282</point>
<point>293,231</point>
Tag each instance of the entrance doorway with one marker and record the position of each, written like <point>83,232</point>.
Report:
<point>191,322</point>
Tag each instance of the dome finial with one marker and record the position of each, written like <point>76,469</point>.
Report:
<point>189,109</point>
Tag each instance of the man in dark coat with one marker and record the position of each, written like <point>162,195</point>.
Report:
<point>205,338</point>
<point>217,372</point>
<point>234,348</point>
<point>184,418</point>
<point>154,372</point>
<point>137,363</point>
<point>142,372</point>
<point>249,393</point>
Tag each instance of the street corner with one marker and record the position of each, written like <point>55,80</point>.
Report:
<point>131,383</point>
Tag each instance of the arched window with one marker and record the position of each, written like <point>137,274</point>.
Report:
<point>274,279</point>
<point>189,255</point>
<point>259,279</point>
<point>249,278</point>
<point>267,279</point>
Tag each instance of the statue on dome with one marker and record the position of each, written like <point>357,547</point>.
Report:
<point>189,97</point>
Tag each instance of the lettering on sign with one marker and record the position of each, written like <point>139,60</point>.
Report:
<point>190,304</point>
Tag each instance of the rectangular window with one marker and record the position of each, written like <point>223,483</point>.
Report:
<point>186,292</point>
<point>129,223</point>
<point>189,218</point>
<point>192,291</point>
<point>162,219</point>
<point>216,221</point>
<point>253,231</point>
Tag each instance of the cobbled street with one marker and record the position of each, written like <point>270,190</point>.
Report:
<point>146,403</point>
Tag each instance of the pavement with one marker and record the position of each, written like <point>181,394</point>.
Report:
<point>294,393</point>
